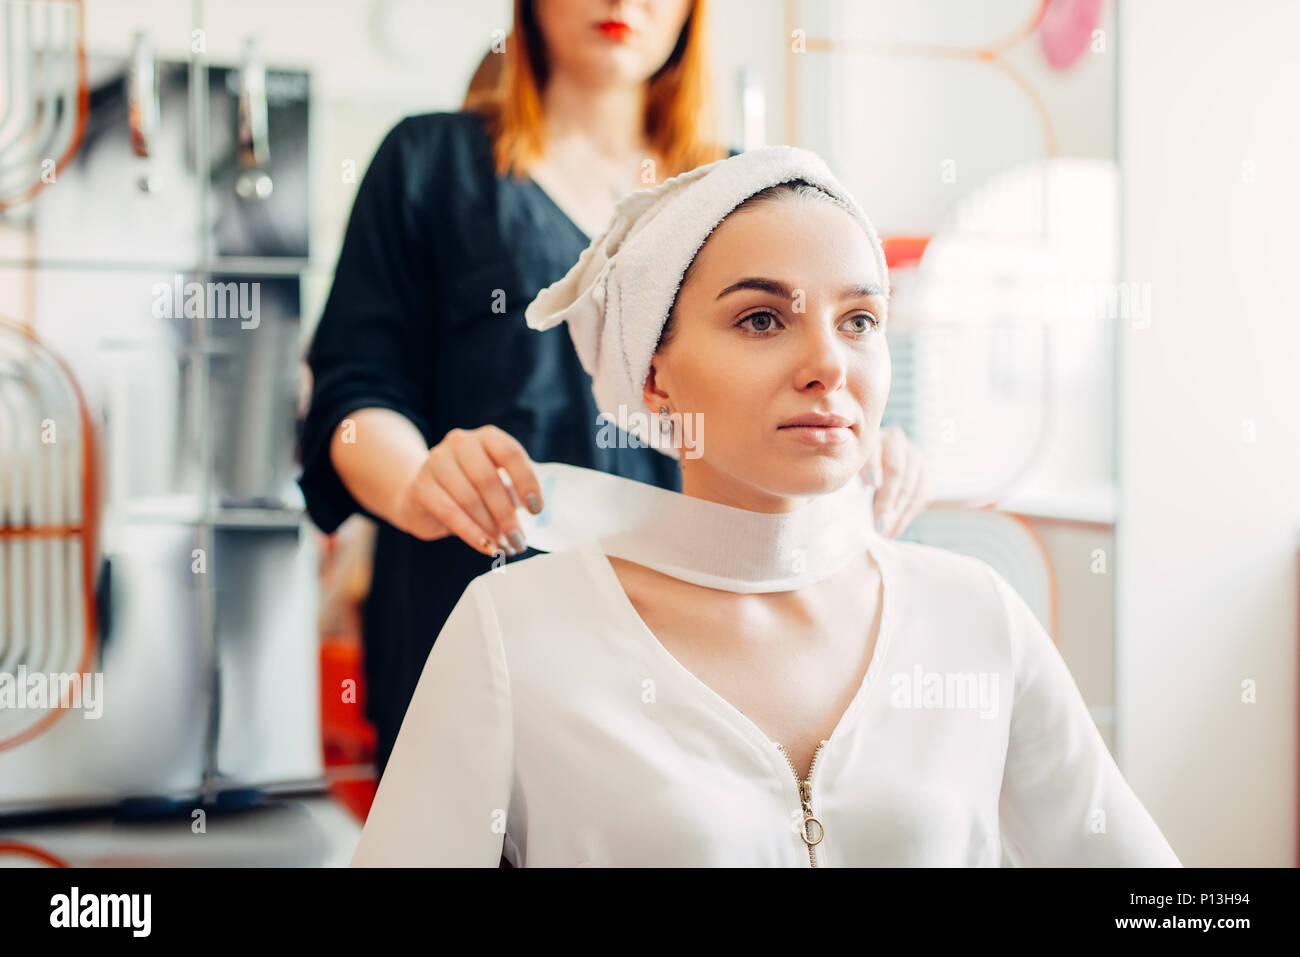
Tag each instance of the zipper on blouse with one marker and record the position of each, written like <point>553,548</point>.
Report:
<point>811,831</point>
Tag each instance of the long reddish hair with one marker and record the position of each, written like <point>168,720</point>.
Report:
<point>679,117</point>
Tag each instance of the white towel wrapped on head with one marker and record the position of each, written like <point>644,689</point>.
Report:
<point>616,298</point>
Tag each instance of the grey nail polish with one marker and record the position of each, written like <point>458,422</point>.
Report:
<point>517,539</point>
<point>534,503</point>
<point>880,522</point>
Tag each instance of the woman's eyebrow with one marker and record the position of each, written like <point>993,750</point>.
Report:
<point>858,291</point>
<point>762,285</point>
<point>863,291</point>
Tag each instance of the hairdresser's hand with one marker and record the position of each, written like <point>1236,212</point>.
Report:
<point>457,491</point>
<point>897,471</point>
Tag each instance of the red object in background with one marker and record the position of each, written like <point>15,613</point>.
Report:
<point>347,737</point>
<point>30,852</point>
<point>903,250</point>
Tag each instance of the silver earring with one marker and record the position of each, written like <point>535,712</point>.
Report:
<point>665,423</point>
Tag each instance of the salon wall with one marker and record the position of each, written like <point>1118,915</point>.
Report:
<point>1209,444</point>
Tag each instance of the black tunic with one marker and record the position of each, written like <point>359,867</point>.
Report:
<point>435,240</point>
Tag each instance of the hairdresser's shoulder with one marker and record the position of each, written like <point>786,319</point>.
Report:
<point>444,126</point>
<point>438,144</point>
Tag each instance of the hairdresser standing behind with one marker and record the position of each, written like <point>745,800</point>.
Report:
<point>426,378</point>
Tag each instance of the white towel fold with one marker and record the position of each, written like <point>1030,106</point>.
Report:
<point>616,298</point>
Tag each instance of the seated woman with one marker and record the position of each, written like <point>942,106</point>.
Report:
<point>757,677</point>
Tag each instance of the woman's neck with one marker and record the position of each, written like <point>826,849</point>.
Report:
<point>713,487</point>
<point>609,118</point>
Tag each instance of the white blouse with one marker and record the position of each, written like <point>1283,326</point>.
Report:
<point>549,724</point>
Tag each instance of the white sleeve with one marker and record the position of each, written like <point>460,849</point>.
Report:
<point>443,800</point>
<point>1064,802</point>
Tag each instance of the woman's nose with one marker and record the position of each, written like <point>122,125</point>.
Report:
<point>822,356</point>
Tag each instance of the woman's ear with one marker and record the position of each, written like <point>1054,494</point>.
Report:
<point>652,394</point>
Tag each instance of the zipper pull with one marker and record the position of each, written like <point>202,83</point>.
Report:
<point>812,830</point>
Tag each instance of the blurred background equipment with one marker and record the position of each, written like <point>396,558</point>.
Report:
<point>166,271</point>
<point>48,559</point>
<point>46,100</point>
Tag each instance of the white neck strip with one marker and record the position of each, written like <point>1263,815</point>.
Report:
<point>696,540</point>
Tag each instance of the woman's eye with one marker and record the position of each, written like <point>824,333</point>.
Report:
<point>866,322</point>
<point>762,321</point>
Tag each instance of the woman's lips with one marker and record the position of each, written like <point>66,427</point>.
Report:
<point>615,29</point>
<point>818,435</point>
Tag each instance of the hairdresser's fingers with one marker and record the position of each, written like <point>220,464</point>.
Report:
<point>423,524</point>
<point>919,504</point>
<point>871,471</point>
<point>482,473</point>
<point>445,466</point>
<point>913,499</point>
<point>506,452</point>
<point>894,451</point>
<point>436,509</point>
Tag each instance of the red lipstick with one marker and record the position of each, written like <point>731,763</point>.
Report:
<point>616,30</point>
